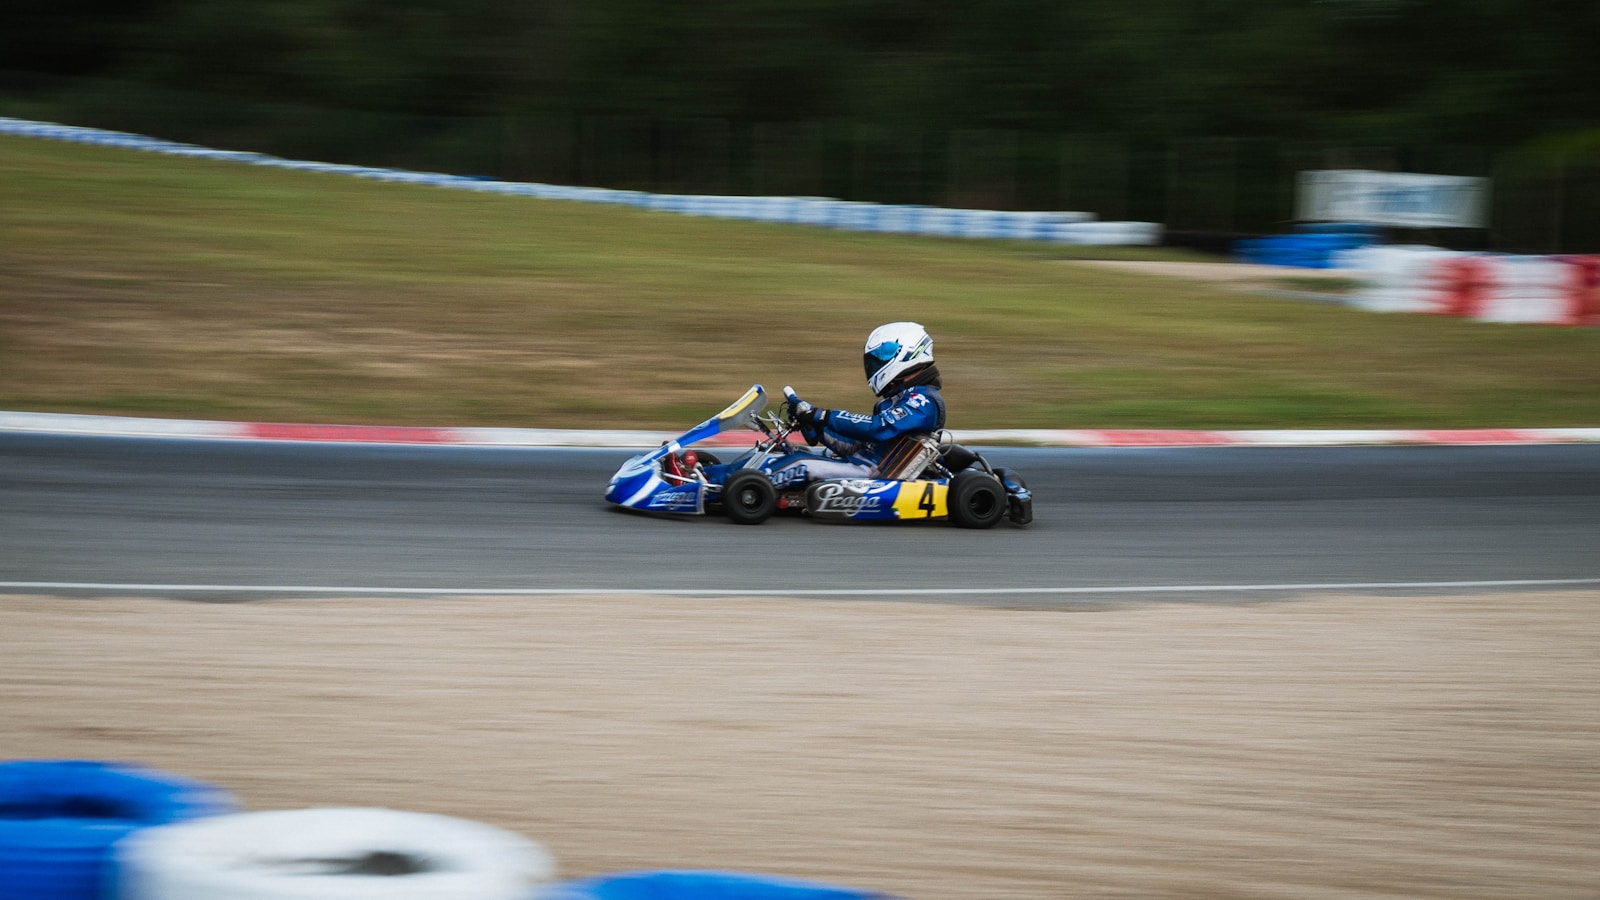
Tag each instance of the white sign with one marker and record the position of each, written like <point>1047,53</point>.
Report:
<point>1398,199</point>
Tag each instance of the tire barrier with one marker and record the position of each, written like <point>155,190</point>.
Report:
<point>823,212</point>
<point>59,820</point>
<point>1555,290</point>
<point>330,854</point>
<point>701,885</point>
<point>1313,246</point>
<point>1400,278</point>
<point>1584,288</point>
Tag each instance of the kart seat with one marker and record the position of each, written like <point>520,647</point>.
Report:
<point>956,457</point>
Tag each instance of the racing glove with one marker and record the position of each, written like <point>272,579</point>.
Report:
<point>810,419</point>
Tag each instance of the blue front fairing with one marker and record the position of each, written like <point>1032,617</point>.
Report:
<point>685,498</point>
<point>639,485</point>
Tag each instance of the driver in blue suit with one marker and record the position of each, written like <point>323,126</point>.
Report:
<point>884,443</point>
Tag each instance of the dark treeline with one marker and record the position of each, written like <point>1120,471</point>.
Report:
<point>917,78</point>
<point>1492,72</point>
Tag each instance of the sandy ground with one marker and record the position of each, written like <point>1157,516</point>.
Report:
<point>1337,747</point>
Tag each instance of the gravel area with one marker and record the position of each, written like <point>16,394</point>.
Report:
<point>1337,747</point>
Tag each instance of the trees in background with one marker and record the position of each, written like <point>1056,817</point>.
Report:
<point>899,100</point>
<point>1389,71</point>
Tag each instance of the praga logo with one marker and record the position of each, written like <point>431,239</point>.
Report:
<point>675,499</point>
<point>836,497</point>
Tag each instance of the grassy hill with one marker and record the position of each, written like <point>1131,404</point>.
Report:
<point>145,285</point>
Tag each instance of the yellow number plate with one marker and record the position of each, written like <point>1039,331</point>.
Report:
<point>921,500</point>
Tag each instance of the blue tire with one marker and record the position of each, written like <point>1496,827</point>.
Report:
<point>59,819</point>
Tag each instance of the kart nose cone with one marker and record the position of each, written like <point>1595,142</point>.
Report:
<point>629,481</point>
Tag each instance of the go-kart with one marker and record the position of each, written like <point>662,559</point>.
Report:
<point>919,478</point>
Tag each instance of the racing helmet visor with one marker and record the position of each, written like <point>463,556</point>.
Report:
<point>879,356</point>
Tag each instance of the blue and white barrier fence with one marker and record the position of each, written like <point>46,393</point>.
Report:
<point>823,212</point>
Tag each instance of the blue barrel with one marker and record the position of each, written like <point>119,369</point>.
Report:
<point>1312,246</point>
<point>701,885</point>
<point>58,820</point>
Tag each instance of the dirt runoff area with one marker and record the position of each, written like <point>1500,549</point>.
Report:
<point>1337,747</point>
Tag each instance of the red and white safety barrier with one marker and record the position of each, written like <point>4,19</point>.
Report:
<point>1556,290</point>
<point>180,429</point>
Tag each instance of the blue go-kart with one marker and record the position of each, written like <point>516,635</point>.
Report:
<point>919,478</point>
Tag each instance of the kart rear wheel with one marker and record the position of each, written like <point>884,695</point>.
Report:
<point>748,497</point>
<point>977,500</point>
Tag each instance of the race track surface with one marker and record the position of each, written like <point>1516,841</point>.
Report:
<point>248,520</point>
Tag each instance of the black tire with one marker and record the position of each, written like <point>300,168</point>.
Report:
<point>748,497</point>
<point>707,458</point>
<point>976,500</point>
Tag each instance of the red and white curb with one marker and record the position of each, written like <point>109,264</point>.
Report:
<point>184,429</point>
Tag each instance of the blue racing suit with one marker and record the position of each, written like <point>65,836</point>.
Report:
<point>857,441</point>
<point>863,437</point>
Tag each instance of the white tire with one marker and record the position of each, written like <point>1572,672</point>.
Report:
<point>330,854</point>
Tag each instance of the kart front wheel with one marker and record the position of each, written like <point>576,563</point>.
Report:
<point>748,497</point>
<point>977,500</point>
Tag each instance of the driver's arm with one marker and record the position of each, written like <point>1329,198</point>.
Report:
<point>915,412</point>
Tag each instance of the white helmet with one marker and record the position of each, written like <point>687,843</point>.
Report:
<point>892,350</point>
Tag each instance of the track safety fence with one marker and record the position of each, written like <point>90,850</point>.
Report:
<point>823,212</point>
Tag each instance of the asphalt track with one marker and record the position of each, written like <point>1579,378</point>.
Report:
<point>220,520</point>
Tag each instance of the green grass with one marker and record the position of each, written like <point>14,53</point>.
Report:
<point>144,285</point>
